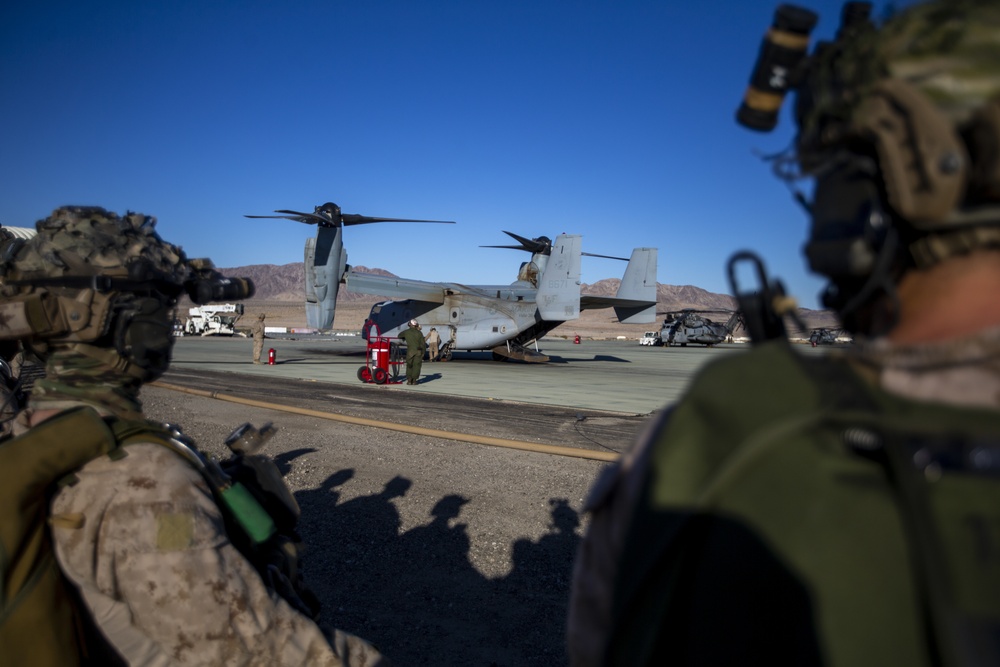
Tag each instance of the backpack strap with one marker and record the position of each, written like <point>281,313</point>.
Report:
<point>239,505</point>
<point>915,464</point>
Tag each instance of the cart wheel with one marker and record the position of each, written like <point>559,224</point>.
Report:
<point>380,375</point>
<point>365,374</point>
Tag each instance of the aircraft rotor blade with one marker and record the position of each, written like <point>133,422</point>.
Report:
<point>355,219</point>
<point>540,245</point>
<point>305,218</point>
<point>590,254</point>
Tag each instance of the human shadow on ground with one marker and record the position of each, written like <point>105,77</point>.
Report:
<point>430,377</point>
<point>416,595</point>
<point>284,460</point>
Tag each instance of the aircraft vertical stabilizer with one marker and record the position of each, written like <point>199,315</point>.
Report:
<point>325,262</point>
<point>558,295</point>
<point>639,283</point>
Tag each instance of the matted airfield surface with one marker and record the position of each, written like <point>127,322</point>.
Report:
<point>616,376</point>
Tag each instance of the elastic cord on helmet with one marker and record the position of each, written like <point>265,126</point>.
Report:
<point>103,284</point>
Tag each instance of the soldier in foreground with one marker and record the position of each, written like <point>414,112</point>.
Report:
<point>800,509</point>
<point>170,558</point>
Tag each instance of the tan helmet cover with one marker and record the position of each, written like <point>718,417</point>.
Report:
<point>82,244</point>
<point>922,159</point>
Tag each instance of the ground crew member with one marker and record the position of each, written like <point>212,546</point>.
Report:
<point>142,536</point>
<point>258,338</point>
<point>839,517</point>
<point>415,348</point>
<point>433,342</point>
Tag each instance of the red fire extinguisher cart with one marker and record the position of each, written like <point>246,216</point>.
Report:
<point>382,359</point>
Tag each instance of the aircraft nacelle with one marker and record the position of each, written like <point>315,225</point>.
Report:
<point>325,263</point>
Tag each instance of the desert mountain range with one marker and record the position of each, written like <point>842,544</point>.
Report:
<point>281,288</point>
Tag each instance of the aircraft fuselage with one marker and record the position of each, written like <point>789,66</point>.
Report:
<point>467,321</point>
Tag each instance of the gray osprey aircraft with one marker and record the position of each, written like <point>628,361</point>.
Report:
<point>325,256</point>
<point>501,318</point>
<point>506,319</point>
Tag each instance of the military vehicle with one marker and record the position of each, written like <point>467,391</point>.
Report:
<point>509,319</point>
<point>215,319</point>
<point>691,326</point>
<point>827,336</point>
<point>651,338</point>
<point>502,318</point>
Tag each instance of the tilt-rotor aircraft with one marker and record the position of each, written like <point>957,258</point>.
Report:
<point>500,318</point>
<point>506,319</point>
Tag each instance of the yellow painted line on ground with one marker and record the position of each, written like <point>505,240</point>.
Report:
<point>556,450</point>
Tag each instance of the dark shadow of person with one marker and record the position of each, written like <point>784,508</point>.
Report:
<point>284,459</point>
<point>352,561</point>
<point>417,596</point>
<point>536,592</point>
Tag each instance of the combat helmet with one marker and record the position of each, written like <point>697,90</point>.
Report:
<point>899,125</point>
<point>101,286</point>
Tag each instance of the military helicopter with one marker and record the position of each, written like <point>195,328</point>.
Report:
<point>825,336</point>
<point>690,326</point>
<point>507,319</point>
<point>325,257</point>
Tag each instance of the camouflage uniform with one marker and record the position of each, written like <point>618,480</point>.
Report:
<point>433,342</point>
<point>142,537</point>
<point>145,544</point>
<point>258,338</point>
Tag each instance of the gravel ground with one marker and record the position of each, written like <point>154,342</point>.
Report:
<point>438,552</point>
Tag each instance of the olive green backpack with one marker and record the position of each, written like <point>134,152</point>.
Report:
<point>41,622</point>
<point>794,515</point>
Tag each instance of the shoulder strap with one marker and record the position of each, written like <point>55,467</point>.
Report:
<point>915,464</point>
<point>240,508</point>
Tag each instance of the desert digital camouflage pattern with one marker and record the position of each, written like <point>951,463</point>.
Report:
<point>141,536</point>
<point>145,543</point>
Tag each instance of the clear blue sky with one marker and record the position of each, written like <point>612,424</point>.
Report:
<point>614,120</point>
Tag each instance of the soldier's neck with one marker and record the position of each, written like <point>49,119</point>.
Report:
<point>954,299</point>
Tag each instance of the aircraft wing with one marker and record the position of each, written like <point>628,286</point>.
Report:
<point>397,288</point>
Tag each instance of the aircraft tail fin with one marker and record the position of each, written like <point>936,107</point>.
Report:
<point>325,263</point>
<point>558,296</point>
<point>639,284</point>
